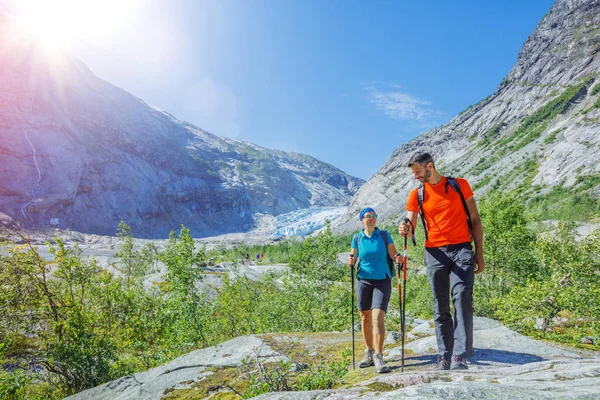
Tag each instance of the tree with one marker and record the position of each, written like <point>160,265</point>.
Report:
<point>187,305</point>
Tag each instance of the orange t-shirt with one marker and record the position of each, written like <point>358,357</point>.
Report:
<point>444,212</point>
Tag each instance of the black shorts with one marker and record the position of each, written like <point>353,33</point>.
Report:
<point>373,293</point>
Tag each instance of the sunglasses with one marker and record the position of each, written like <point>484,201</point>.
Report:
<point>367,216</point>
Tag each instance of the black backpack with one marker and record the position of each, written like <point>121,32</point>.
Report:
<point>390,261</point>
<point>450,181</point>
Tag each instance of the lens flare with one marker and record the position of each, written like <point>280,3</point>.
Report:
<point>59,23</point>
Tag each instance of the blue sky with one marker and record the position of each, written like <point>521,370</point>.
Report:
<point>346,82</point>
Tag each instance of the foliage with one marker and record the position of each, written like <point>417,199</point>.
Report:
<point>566,300</point>
<point>317,258</point>
<point>483,182</point>
<point>508,249</point>
<point>551,138</point>
<point>73,338</point>
<point>481,165</point>
<point>273,254</point>
<point>567,203</point>
<point>188,307</point>
<point>85,326</point>
<point>279,377</point>
<point>492,134</point>
<point>419,301</point>
<point>134,263</point>
<point>13,384</point>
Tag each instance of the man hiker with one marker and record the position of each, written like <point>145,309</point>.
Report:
<point>450,222</point>
<point>373,247</point>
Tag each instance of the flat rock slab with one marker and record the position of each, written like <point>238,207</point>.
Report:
<point>558,379</point>
<point>151,384</point>
<point>495,345</point>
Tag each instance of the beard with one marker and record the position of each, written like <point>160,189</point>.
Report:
<point>426,176</point>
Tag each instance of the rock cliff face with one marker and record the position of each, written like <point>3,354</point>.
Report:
<point>79,153</point>
<point>539,128</point>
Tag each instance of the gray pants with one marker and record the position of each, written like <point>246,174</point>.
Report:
<point>451,269</point>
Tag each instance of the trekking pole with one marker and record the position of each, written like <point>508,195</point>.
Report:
<point>404,261</point>
<point>404,300</point>
<point>352,311</point>
<point>401,305</point>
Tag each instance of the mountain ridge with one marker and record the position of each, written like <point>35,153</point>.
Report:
<point>79,153</point>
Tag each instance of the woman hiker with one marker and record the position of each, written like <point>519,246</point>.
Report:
<point>371,247</point>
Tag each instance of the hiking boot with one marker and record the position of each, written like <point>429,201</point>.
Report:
<point>380,366</point>
<point>367,360</point>
<point>441,364</point>
<point>458,362</point>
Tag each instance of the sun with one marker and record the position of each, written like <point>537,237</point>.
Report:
<point>60,23</point>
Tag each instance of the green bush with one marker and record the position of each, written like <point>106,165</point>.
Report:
<point>509,249</point>
<point>565,204</point>
<point>566,299</point>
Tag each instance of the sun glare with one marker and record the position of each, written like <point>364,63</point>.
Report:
<point>59,23</point>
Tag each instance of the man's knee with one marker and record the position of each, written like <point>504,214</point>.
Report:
<point>462,292</point>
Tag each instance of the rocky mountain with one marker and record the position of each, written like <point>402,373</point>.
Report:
<point>537,131</point>
<point>79,153</point>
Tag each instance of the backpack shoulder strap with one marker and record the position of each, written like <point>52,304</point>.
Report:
<point>421,198</point>
<point>384,236</point>
<point>357,260</point>
<point>454,183</point>
<point>390,260</point>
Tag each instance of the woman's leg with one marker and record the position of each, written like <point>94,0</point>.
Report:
<point>366,324</point>
<point>378,317</point>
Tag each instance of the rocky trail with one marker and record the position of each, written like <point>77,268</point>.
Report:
<point>506,365</point>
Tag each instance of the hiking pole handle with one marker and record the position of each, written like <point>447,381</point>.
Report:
<point>412,228</point>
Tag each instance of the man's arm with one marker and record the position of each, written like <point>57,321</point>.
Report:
<point>477,234</point>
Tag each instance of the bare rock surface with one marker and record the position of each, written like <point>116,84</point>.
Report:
<point>151,384</point>
<point>506,366</point>
<point>566,379</point>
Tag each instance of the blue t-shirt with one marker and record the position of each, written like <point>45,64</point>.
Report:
<point>373,255</point>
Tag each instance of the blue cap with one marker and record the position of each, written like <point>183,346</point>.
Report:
<point>364,211</point>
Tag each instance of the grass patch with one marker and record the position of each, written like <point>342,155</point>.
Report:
<point>551,138</point>
<point>566,204</point>
<point>221,384</point>
<point>492,134</point>
<point>585,182</point>
<point>163,286</point>
<point>380,387</point>
<point>482,165</point>
<point>482,182</point>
